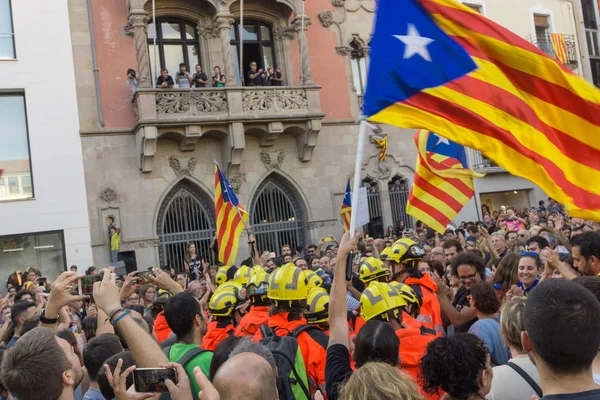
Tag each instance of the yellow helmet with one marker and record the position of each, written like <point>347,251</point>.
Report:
<point>317,306</point>
<point>242,275</point>
<point>385,253</point>
<point>313,280</point>
<point>229,297</point>
<point>378,299</point>
<point>258,284</point>
<point>371,269</point>
<point>407,293</point>
<point>405,250</point>
<point>221,275</point>
<point>287,283</point>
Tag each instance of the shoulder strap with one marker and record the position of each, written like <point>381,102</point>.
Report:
<point>315,333</point>
<point>536,388</point>
<point>185,360</point>
<point>427,331</point>
<point>167,351</point>
<point>266,331</point>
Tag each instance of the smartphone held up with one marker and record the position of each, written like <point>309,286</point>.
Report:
<point>152,380</point>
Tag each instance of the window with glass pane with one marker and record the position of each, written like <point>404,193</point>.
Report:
<point>176,42</point>
<point>14,148</point>
<point>43,251</point>
<point>7,40</point>
<point>258,46</point>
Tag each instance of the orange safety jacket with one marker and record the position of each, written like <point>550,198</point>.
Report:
<point>251,322</point>
<point>313,353</point>
<point>216,332</point>
<point>161,328</point>
<point>430,314</point>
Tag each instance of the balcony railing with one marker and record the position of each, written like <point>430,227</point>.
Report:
<point>481,163</point>
<point>566,56</point>
<point>227,104</point>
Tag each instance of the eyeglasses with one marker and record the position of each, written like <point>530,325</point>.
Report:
<point>529,254</point>
<point>521,235</point>
<point>469,277</point>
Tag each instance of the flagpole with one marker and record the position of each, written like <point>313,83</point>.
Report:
<point>362,131</point>
<point>241,42</point>
<point>153,78</point>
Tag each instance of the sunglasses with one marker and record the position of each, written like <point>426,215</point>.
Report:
<point>529,254</point>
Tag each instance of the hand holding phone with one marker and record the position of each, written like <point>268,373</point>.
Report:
<point>86,284</point>
<point>144,277</point>
<point>152,380</point>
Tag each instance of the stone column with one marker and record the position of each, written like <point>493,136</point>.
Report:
<point>138,20</point>
<point>224,25</point>
<point>303,42</point>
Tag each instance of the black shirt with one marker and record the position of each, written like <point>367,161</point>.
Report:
<point>461,300</point>
<point>200,76</point>
<point>587,395</point>
<point>161,80</point>
<point>337,369</point>
<point>256,81</point>
<point>274,82</point>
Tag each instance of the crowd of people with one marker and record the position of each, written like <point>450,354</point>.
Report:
<point>503,308</point>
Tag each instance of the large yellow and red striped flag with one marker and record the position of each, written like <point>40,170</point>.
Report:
<point>231,218</point>
<point>559,46</point>
<point>443,184</point>
<point>458,74</point>
<point>381,142</point>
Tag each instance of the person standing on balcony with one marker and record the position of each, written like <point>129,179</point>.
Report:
<point>164,80</point>
<point>200,79</point>
<point>254,76</point>
<point>218,78</point>
<point>275,77</point>
<point>183,78</point>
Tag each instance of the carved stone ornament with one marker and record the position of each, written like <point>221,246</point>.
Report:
<point>210,31</point>
<point>181,102</point>
<point>274,100</point>
<point>139,244</point>
<point>272,159</point>
<point>326,18</point>
<point>382,170</point>
<point>108,195</point>
<point>237,180</point>
<point>343,50</point>
<point>338,3</point>
<point>128,28</point>
<point>284,32</point>
<point>182,165</point>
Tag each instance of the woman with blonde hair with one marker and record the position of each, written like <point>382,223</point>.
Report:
<point>506,275</point>
<point>379,381</point>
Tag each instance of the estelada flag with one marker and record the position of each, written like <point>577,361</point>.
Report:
<point>346,210</point>
<point>443,183</point>
<point>439,65</point>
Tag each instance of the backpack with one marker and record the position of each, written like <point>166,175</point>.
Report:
<point>184,361</point>
<point>292,383</point>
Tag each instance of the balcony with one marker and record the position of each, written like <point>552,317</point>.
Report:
<point>229,114</point>
<point>567,56</point>
<point>481,163</point>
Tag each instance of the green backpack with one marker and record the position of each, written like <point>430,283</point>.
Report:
<point>292,383</point>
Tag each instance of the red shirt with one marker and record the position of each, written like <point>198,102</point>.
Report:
<point>217,331</point>
<point>251,322</point>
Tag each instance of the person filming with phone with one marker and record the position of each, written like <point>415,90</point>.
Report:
<point>183,77</point>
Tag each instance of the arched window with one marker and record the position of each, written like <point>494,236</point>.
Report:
<point>176,42</point>
<point>258,46</point>
<point>399,191</point>
<point>277,217</point>
<point>359,62</point>
<point>186,215</point>
<point>375,226</point>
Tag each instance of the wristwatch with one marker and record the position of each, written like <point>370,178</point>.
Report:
<point>45,320</point>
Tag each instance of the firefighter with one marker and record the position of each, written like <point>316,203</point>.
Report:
<point>317,309</point>
<point>227,308</point>
<point>256,292</point>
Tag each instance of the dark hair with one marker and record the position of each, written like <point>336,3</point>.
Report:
<point>90,270</point>
<point>222,353</point>
<point>485,298</point>
<point>506,272</point>
<point>540,240</point>
<point>312,246</point>
<point>468,258</point>
<point>22,293</point>
<point>453,243</point>
<point>180,313</point>
<point>436,266</point>
<point>591,283</point>
<point>453,364</point>
<point>376,341</point>
<point>164,70</point>
<point>33,367</point>
<point>18,309</point>
<point>231,272</point>
<point>30,323</point>
<point>556,311</point>
<point>128,361</point>
<point>98,350</point>
<point>589,244</point>
<point>129,71</point>
<point>89,326</point>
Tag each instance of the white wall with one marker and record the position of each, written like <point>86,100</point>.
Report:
<point>44,69</point>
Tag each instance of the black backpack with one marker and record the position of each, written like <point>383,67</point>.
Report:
<point>184,361</point>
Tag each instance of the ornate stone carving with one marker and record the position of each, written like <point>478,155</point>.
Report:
<point>138,20</point>
<point>181,102</point>
<point>343,50</point>
<point>382,170</point>
<point>274,100</point>
<point>128,28</point>
<point>326,18</point>
<point>237,180</point>
<point>182,165</point>
<point>223,24</point>
<point>272,159</point>
<point>338,3</point>
<point>284,32</point>
<point>361,99</point>
<point>210,31</point>
<point>139,244</point>
<point>301,23</point>
<point>108,195</point>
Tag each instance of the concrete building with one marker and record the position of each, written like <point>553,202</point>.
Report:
<point>288,151</point>
<point>43,210</point>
